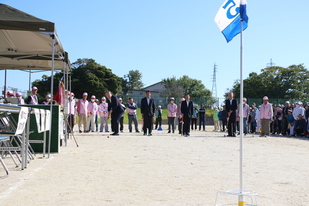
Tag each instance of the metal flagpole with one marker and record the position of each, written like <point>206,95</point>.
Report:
<point>241,121</point>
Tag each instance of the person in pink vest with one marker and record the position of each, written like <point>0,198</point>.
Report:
<point>32,98</point>
<point>20,98</point>
<point>47,100</point>
<point>92,111</point>
<point>70,108</point>
<point>132,115</point>
<point>171,115</point>
<point>266,114</point>
<point>82,110</point>
<point>246,110</point>
<point>104,115</point>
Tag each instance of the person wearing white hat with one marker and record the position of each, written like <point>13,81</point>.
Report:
<point>92,111</point>
<point>266,114</point>
<point>171,115</point>
<point>103,111</point>
<point>70,110</point>
<point>47,99</point>
<point>32,98</point>
<point>20,98</point>
<point>158,117</point>
<point>298,110</point>
<point>10,94</point>
<point>82,111</point>
<point>246,110</point>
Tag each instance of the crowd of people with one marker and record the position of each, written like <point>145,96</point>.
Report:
<point>266,119</point>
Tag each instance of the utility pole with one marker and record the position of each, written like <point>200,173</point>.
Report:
<point>214,84</point>
<point>270,64</point>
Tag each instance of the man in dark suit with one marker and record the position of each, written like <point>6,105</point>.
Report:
<point>116,111</point>
<point>231,107</point>
<point>187,112</point>
<point>148,111</point>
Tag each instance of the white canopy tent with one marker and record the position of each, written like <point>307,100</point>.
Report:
<point>29,43</point>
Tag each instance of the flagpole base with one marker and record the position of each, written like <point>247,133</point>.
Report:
<point>241,203</point>
<point>248,198</point>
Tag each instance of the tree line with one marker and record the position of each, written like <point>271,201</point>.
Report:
<point>275,82</point>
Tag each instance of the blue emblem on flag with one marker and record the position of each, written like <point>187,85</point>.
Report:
<point>229,17</point>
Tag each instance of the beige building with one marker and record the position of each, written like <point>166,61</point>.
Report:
<point>155,90</point>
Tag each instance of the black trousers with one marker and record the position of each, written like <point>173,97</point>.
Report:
<point>70,122</point>
<point>115,118</point>
<point>171,123</point>
<point>158,122</point>
<point>231,126</point>
<point>186,125</point>
<point>121,123</point>
<point>179,125</point>
<point>202,122</point>
<point>193,123</point>
<point>148,124</point>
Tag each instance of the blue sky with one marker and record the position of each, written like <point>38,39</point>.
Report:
<point>166,38</point>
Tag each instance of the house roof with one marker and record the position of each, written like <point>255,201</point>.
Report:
<point>152,85</point>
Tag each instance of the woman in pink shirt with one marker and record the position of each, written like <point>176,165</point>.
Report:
<point>172,111</point>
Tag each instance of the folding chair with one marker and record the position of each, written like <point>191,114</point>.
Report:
<point>4,139</point>
<point>11,143</point>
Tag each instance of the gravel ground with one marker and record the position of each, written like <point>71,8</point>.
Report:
<point>164,169</point>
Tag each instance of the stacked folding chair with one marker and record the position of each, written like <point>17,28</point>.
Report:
<point>10,144</point>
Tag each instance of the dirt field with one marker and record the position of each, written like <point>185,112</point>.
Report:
<point>165,169</point>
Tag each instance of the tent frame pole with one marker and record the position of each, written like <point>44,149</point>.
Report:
<point>51,91</point>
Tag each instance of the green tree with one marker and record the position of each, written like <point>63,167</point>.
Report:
<point>89,76</point>
<point>185,85</point>
<point>276,82</point>
<point>130,82</point>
